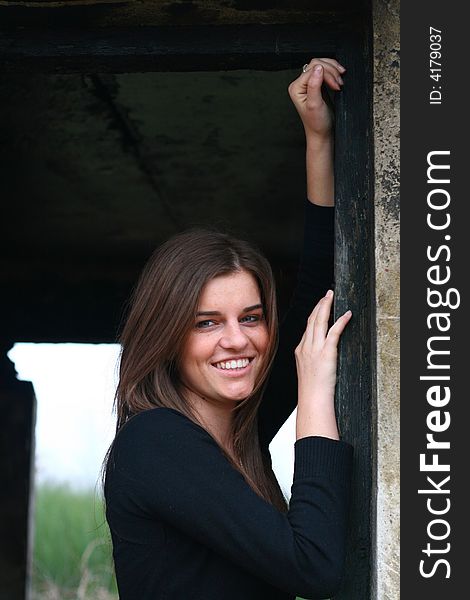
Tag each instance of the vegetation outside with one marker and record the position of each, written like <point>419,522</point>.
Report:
<point>72,546</point>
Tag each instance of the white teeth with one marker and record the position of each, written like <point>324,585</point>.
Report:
<point>233,364</point>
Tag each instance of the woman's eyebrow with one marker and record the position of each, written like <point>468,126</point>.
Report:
<point>212,313</point>
<point>254,307</point>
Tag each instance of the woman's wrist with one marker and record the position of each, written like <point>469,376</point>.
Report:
<point>319,142</point>
<point>320,172</point>
<point>317,400</point>
<point>311,422</point>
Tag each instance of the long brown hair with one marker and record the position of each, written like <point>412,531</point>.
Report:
<point>161,315</point>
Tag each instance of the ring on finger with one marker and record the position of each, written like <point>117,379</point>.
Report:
<point>305,68</point>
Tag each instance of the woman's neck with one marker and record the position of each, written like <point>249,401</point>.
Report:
<point>215,417</point>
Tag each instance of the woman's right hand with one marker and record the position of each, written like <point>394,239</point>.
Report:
<point>306,95</point>
<point>316,358</point>
<point>317,118</point>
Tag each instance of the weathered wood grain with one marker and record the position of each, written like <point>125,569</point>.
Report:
<point>267,47</point>
<point>353,274</point>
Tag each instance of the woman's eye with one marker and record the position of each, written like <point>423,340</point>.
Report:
<point>251,318</point>
<point>204,324</point>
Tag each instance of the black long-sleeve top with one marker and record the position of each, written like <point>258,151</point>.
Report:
<point>185,524</point>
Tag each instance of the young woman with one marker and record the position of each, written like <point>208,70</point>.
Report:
<point>194,509</point>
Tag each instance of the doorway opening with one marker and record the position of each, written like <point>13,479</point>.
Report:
<point>74,386</point>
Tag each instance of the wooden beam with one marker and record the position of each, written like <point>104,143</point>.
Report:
<point>57,3</point>
<point>267,47</point>
<point>119,13</point>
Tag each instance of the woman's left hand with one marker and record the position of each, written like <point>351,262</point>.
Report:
<point>306,94</point>
<point>316,359</point>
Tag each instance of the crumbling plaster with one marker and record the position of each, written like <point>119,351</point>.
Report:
<point>387,289</point>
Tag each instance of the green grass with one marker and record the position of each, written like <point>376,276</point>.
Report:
<point>72,546</point>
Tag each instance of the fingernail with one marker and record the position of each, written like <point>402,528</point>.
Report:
<point>348,313</point>
<point>340,79</point>
<point>318,69</point>
<point>329,293</point>
<point>341,68</point>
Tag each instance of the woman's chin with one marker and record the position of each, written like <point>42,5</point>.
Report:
<point>238,394</point>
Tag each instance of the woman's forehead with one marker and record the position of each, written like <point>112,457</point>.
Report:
<point>238,289</point>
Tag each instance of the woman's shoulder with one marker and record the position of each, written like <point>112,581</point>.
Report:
<point>159,426</point>
<point>160,414</point>
<point>154,442</point>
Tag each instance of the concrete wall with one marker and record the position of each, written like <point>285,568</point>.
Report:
<point>386,149</point>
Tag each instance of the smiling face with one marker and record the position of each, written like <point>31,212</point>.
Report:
<point>224,351</point>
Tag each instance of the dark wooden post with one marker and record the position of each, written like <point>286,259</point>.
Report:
<point>353,273</point>
<point>18,410</point>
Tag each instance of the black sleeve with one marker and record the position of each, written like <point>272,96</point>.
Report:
<point>315,277</point>
<point>172,470</point>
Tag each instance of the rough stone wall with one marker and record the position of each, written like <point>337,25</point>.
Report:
<point>386,147</point>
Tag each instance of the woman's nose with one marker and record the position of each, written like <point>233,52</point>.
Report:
<point>233,337</point>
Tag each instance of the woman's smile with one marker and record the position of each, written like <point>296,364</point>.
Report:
<point>235,367</point>
<point>233,364</point>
